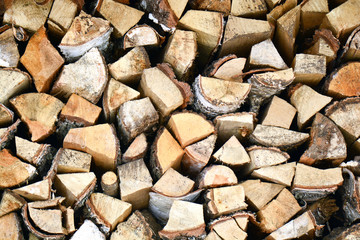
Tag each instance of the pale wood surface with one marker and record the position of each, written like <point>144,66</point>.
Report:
<point>136,150</point>
<point>232,153</point>
<point>37,191</point>
<point>281,174</point>
<point>61,16</point>
<point>72,161</point>
<point>279,113</point>
<point>309,69</point>
<point>10,202</point>
<point>9,53</point>
<point>12,83</point>
<point>216,176</point>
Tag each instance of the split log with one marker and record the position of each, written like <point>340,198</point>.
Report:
<point>10,227</point>
<point>110,10</point>
<point>6,116</point>
<point>272,3</point>
<point>186,219</point>
<point>265,54</point>
<point>88,230</point>
<point>232,154</point>
<point>280,9</point>
<point>100,141</point>
<point>309,69</point>
<point>72,161</point>
<point>38,191</point>
<point>248,8</point>
<point>215,96</point>
<point>351,48</point>
<point>212,236</point>
<point>278,113</point>
<point>87,77</point>
<point>311,184</point>
<point>327,143</point>
<point>350,197</point>
<point>110,184</point>
<point>137,149</point>
<point>142,35</point>
<point>281,174</point>
<point>12,83</point>
<point>312,15</point>
<point>128,68</point>
<point>135,183</point>
<point>222,6</point>
<point>86,32</point>
<point>227,228</point>
<point>7,135</point>
<point>9,53</point>
<point>226,68</point>
<point>10,202</point>
<point>178,6</point>
<point>61,16</point>
<point>242,33</point>
<point>216,176</point>
<point>135,117</point>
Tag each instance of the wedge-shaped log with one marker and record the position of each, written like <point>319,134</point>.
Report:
<point>61,16</point>
<point>265,54</point>
<point>100,141</point>
<point>6,116</point>
<point>7,135</point>
<point>110,184</point>
<point>278,113</point>
<point>137,149</point>
<point>178,6</point>
<point>351,48</point>
<point>72,161</point>
<point>10,202</point>
<point>87,77</point>
<point>223,6</point>
<point>248,8</point>
<point>272,3</point>
<point>142,35</point>
<point>38,191</point>
<point>9,53</point>
<point>227,228</point>
<point>12,82</point>
<point>312,14</point>
<point>228,68</point>
<point>282,174</point>
<point>216,176</point>
<point>309,69</point>
<point>280,9</point>
<point>232,154</point>
<point>88,230</point>
<point>10,227</point>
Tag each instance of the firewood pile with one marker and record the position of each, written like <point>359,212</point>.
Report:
<point>179,119</point>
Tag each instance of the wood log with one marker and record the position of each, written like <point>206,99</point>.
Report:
<point>242,33</point>
<point>185,219</point>
<point>38,191</point>
<point>110,9</point>
<point>9,56</point>
<point>110,184</point>
<point>312,15</point>
<point>227,68</point>
<point>216,176</point>
<point>12,82</point>
<point>309,69</point>
<point>10,227</point>
<point>88,230</point>
<point>128,68</point>
<point>87,77</point>
<point>281,174</point>
<point>351,48</point>
<point>135,117</point>
<point>272,3</point>
<point>72,161</point>
<point>178,6</point>
<point>247,8</point>
<point>227,228</point>
<point>6,116</point>
<point>212,236</point>
<point>278,113</point>
<point>69,220</point>
<point>10,202</point>
<point>7,135</point>
<point>135,183</point>
<point>280,9</point>
<point>100,141</point>
<point>47,220</point>
<point>142,35</point>
<point>137,149</point>
<point>222,6</point>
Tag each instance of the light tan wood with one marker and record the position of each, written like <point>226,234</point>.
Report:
<point>88,230</point>
<point>142,35</point>
<point>135,183</point>
<point>351,48</point>
<point>281,174</point>
<point>309,69</point>
<point>110,9</point>
<point>49,220</point>
<point>212,236</point>
<point>7,135</point>
<point>61,16</point>
<point>6,116</point>
<point>222,6</point>
<point>272,3</point>
<point>9,53</point>
<point>37,191</point>
<point>278,113</point>
<point>87,77</point>
<point>248,8</point>
<point>231,70</point>
<point>12,82</point>
<point>232,154</point>
<point>72,161</point>
<point>216,176</point>
<point>10,227</point>
<point>110,184</point>
<point>69,220</point>
<point>229,229</point>
<point>10,202</point>
<point>278,211</point>
<point>312,14</point>
<point>178,6</point>
<point>242,33</point>
<point>100,141</point>
<point>137,149</point>
<point>280,9</point>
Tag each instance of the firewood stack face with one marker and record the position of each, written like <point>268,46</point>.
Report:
<point>179,119</point>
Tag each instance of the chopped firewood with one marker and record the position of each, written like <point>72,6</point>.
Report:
<point>115,94</point>
<point>282,138</point>
<point>242,33</point>
<point>35,17</point>
<point>136,150</point>
<point>351,48</point>
<point>10,227</point>
<point>185,219</point>
<point>225,200</point>
<point>140,225</point>
<point>180,53</point>
<point>129,16</point>
<point>86,32</point>
<point>312,14</point>
<point>135,117</point>
<point>173,184</point>
<point>9,53</point>
<point>278,113</point>
<point>76,187</point>
<point>14,172</point>
<point>350,197</point>
<point>10,202</point>
<point>265,54</point>
<point>135,183</point>
<point>281,8</point>
<point>128,68</point>
<point>110,184</point>
<point>61,16</point>
<point>88,230</point>
<point>208,27</point>
<point>72,161</point>
<point>287,28</point>
<point>307,103</point>
<point>6,116</point>
<point>343,19</point>
<point>327,143</point>
<point>239,125</point>
<point>107,211</point>
<point>230,69</point>
<point>350,232</point>
<point>282,174</point>
<point>311,184</point>
<point>265,85</point>
<point>278,211</point>
<point>211,236</point>
<point>189,127</point>
<point>100,141</point>
<point>49,221</point>
<point>38,191</point>
<point>272,3</point>
<point>232,154</point>
<point>142,35</point>
<point>69,220</point>
<point>309,69</point>
<point>7,135</point>
<point>248,8</point>
<point>178,6</point>
<point>215,96</point>
<point>216,176</point>
<point>222,6</point>
<point>12,83</point>
<point>197,155</point>
<point>87,77</point>
<point>227,228</point>
<point>258,193</point>
<point>344,82</point>
<point>301,226</point>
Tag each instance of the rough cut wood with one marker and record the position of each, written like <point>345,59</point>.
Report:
<point>110,10</point>
<point>232,154</point>
<point>10,227</point>
<point>309,69</point>
<point>280,9</point>
<point>312,14</point>
<point>38,191</point>
<point>88,230</point>
<point>248,8</point>
<point>110,184</point>
<point>282,174</point>
<point>12,82</point>
<point>178,6</point>
<point>227,68</point>
<point>242,33</point>
<point>86,32</point>
<point>128,68</point>
<point>6,116</point>
<point>69,220</point>
<point>9,53</point>
<point>7,135</point>
<point>72,161</point>
<point>137,149</point>
<point>272,3</point>
<point>47,220</point>
<point>61,16</point>
<point>227,228</point>
<point>135,117</point>
<point>87,77</point>
<point>10,202</point>
<point>100,141</point>
<point>135,183</point>
<point>222,6</point>
<point>351,48</point>
<point>327,143</point>
<point>216,176</point>
<point>186,219</point>
<point>161,13</point>
<point>142,35</point>
<point>278,113</point>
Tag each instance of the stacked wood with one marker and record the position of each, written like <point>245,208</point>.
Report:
<point>232,154</point>
<point>222,6</point>
<point>9,56</point>
<point>253,9</point>
<point>282,173</point>
<point>10,202</point>
<point>312,15</point>
<point>72,161</point>
<point>142,35</point>
<point>278,113</point>
<point>228,68</point>
<point>216,176</point>
<point>12,82</point>
<point>38,191</point>
<point>309,69</point>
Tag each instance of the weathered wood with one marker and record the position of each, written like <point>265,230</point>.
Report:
<point>72,161</point>
<point>161,13</point>
<point>280,9</point>
<point>61,16</point>
<point>38,191</point>
<point>248,8</point>
<point>142,35</point>
<point>309,69</point>
<point>351,48</point>
<point>12,82</point>
<point>88,230</point>
<point>137,149</point>
<point>110,184</point>
<point>281,174</point>
<point>10,227</point>
<point>7,135</point>
<point>222,6</point>
<point>10,202</point>
<point>216,176</point>
<point>278,113</point>
<point>6,116</point>
<point>232,154</point>
<point>9,53</point>
<point>312,15</point>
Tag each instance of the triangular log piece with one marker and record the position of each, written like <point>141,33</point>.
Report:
<point>10,227</point>
<point>280,9</point>
<point>7,135</point>
<point>10,202</point>
<point>312,15</point>
<point>72,161</point>
<point>278,113</point>
<point>142,35</point>
<point>227,228</point>
<point>309,69</point>
<point>281,174</point>
<point>248,8</point>
<point>9,53</point>
<point>178,6</point>
<point>351,48</point>
<point>216,176</point>
<point>137,149</point>
<point>47,220</point>
<point>61,16</point>
<point>232,154</point>
<point>231,69</point>
<point>110,184</point>
<point>12,83</point>
<point>272,3</point>
<point>6,116</point>
<point>222,6</point>
<point>88,230</point>
<point>38,191</point>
